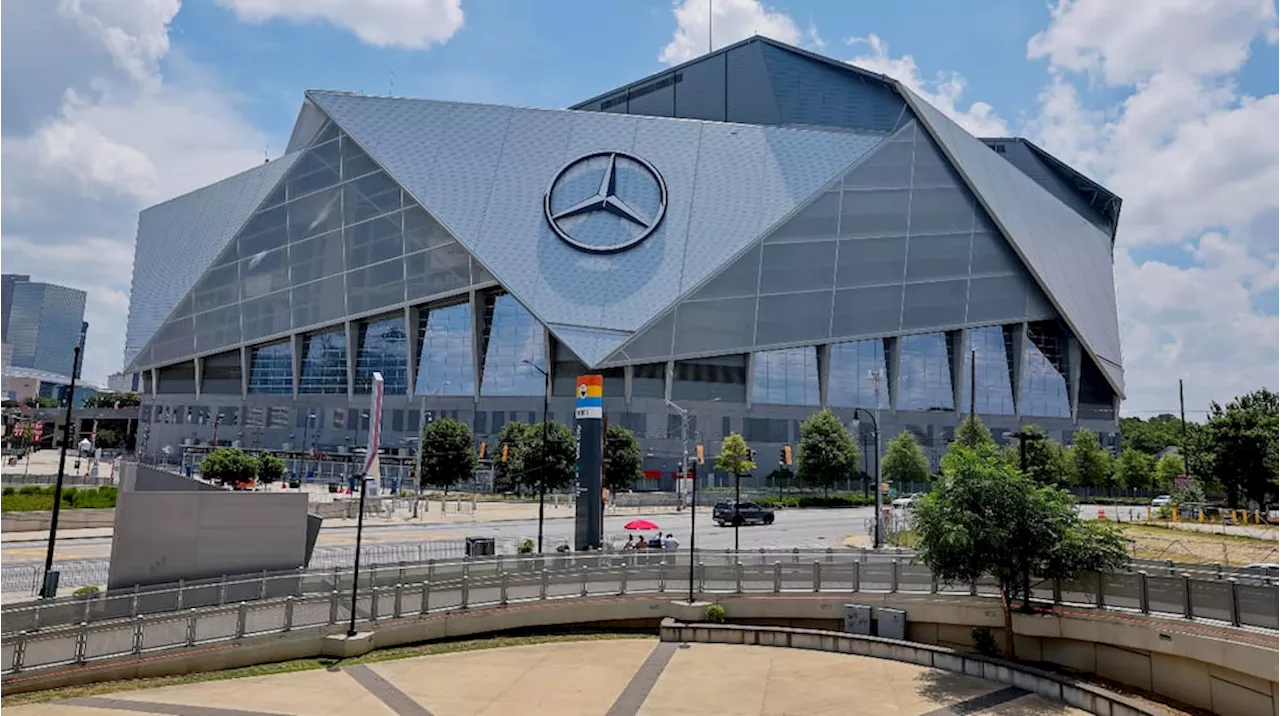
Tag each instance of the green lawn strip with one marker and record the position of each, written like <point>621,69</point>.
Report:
<point>1164,531</point>
<point>286,667</point>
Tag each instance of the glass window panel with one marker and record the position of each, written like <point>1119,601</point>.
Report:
<point>373,241</point>
<point>1095,398</point>
<point>266,316</point>
<point>445,364</point>
<point>264,273</point>
<point>318,302</point>
<point>931,168</point>
<point>317,169</point>
<point>327,132</point>
<point>793,317</point>
<point>316,258</point>
<point>514,337</point>
<point>740,279</point>
<point>723,377</point>
<point>937,304</point>
<point>995,395</point>
<point>324,364</point>
<point>354,161</point>
<point>871,262</point>
<point>874,213</point>
<point>815,221</point>
<point>938,256</point>
<point>315,214</point>
<point>1044,371</point>
<point>368,197</point>
<point>442,269</point>
<point>184,308</point>
<point>218,287</point>
<point>376,286</point>
<point>220,374</point>
<point>271,369</point>
<point>925,373</point>
<point>423,232</point>
<point>997,298</point>
<point>615,381</point>
<point>278,196</point>
<point>649,380</point>
<point>993,255</point>
<point>785,377</point>
<point>941,211</point>
<point>858,375</point>
<point>565,369</point>
<point>177,379</point>
<point>797,267</point>
<point>383,344</point>
<point>889,167</point>
<point>725,324</point>
<point>266,230</point>
<point>862,311</point>
<point>216,328</point>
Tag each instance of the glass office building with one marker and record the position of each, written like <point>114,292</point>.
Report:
<point>45,324</point>
<point>754,234</point>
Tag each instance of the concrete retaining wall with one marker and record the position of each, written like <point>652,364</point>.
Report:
<point>67,520</point>
<point>1081,695</point>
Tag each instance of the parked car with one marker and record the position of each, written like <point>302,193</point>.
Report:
<point>1161,500</point>
<point>907,501</point>
<point>745,513</point>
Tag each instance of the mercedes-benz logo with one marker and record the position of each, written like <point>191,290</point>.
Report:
<point>605,202</point>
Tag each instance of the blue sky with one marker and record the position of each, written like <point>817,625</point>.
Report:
<point>114,105</point>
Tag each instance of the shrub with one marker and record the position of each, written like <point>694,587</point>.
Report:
<point>30,490</point>
<point>86,591</point>
<point>984,642</point>
<point>526,547</point>
<point>714,613</point>
<point>9,491</point>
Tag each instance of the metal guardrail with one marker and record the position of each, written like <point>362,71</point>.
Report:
<point>400,591</point>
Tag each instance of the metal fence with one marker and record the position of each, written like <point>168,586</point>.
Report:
<point>221,611</point>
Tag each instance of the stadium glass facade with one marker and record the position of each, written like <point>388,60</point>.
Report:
<point>754,235</point>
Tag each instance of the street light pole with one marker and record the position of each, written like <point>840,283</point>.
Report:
<point>878,538</point>
<point>693,505</point>
<point>49,589</point>
<point>355,574</point>
<point>542,467</point>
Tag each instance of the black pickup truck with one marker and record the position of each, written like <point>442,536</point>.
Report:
<point>745,513</point>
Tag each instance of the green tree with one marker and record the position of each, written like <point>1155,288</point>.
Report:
<point>448,453</point>
<point>270,468</point>
<point>229,466</point>
<point>1167,468</point>
<point>1089,464</point>
<point>827,452</point>
<point>1045,459</point>
<point>1135,469</point>
<point>984,517</point>
<point>110,438</point>
<point>735,456</point>
<point>514,436</point>
<point>904,461</point>
<point>1152,435</point>
<point>972,433</point>
<point>113,400</point>
<point>561,457</point>
<point>1242,445</point>
<point>39,401</point>
<point>623,464</point>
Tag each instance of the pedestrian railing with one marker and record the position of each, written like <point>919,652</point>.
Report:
<point>417,590</point>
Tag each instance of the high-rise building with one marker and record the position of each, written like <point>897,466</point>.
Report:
<point>46,322</point>
<point>754,234</point>
<point>7,282</point>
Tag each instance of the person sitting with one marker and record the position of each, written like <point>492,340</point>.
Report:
<point>630,543</point>
<point>655,542</point>
<point>670,542</point>
<point>641,543</point>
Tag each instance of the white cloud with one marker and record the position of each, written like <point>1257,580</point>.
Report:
<point>120,136</point>
<point>1195,161</point>
<point>731,21</point>
<point>412,24</point>
<point>943,91</point>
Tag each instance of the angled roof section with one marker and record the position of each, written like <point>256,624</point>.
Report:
<point>482,171</point>
<point>1068,255</point>
<point>178,239</point>
<point>1087,197</point>
<point>898,246</point>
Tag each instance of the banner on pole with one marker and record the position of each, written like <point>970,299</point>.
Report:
<point>371,468</point>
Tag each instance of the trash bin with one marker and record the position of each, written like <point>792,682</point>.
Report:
<point>333,487</point>
<point>481,547</point>
<point>295,485</point>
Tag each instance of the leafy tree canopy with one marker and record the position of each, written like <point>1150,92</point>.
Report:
<point>984,518</point>
<point>623,464</point>
<point>1089,464</point>
<point>229,466</point>
<point>514,436</point>
<point>111,400</point>
<point>827,453</point>
<point>561,455</point>
<point>904,461</point>
<point>972,433</point>
<point>1136,469</point>
<point>270,468</point>
<point>1170,466</point>
<point>1242,445</point>
<point>735,456</point>
<point>448,454</point>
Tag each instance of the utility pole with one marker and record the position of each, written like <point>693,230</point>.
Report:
<point>693,508</point>
<point>1182,411</point>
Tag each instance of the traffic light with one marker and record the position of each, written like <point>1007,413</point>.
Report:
<point>483,449</point>
<point>751,454</point>
<point>506,449</point>
<point>697,450</point>
<point>786,454</point>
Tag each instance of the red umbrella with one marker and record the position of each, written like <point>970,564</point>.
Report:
<point>640,525</point>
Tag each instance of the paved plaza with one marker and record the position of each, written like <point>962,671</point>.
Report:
<point>626,677</point>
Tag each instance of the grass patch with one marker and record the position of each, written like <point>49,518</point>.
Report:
<point>1157,542</point>
<point>287,667</point>
<point>32,498</point>
<point>906,539</point>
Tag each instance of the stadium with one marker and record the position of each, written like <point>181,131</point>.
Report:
<point>753,234</point>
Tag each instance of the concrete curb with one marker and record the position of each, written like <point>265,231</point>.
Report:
<point>1056,687</point>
